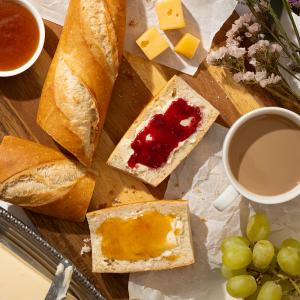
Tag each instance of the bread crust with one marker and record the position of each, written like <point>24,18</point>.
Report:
<point>92,72</point>
<point>17,155</point>
<point>69,202</point>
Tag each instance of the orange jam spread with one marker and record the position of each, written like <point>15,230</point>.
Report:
<point>171,257</point>
<point>136,238</point>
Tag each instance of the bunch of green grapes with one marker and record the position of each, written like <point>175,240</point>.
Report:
<point>255,270</point>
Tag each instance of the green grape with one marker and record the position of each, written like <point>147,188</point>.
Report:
<point>254,296</point>
<point>270,291</point>
<point>290,297</point>
<point>258,228</point>
<point>291,243</point>
<point>228,273</point>
<point>237,257</point>
<point>288,259</point>
<point>263,253</point>
<point>241,286</point>
<point>234,241</point>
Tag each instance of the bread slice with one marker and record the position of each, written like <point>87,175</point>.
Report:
<point>176,88</point>
<point>44,180</point>
<point>141,238</point>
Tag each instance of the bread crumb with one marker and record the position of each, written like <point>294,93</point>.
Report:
<point>85,248</point>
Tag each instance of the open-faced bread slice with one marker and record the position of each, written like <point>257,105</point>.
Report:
<point>167,130</point>
<point>140,237</point>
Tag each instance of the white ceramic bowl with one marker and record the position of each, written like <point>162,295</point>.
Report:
<point>39,48</point>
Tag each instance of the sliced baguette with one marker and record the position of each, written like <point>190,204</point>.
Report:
<point>80,80</point>
<point>183,251</point>
<point>42,179</point>
<point>176,88</point>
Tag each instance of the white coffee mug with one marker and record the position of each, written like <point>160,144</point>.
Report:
<point>235,189</point>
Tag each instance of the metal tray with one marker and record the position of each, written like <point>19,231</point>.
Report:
<point>41,255</point>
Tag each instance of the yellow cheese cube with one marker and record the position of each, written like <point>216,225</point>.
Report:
<point>170,14</point>
<point>187,45</point>
<point>152,43</point>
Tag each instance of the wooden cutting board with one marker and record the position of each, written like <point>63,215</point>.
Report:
<point>138,81</point>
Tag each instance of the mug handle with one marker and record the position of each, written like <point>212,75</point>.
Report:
<point>226,198</point>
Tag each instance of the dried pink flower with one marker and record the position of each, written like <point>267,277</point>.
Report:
<point>272,79</point>
<point>219,54</point>
<point>276,48</point>
<point>258,46</point>
<point>244,76</point>
<point>254,28</point>
<point>238,77</point>
<point>236,51</point>
<point>244,27</point>
<point>261,75</point>
<point>253,61</point>
<point>242,21</point>
<point>246,18</point>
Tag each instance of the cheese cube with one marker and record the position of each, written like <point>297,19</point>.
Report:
<point>187,45</point>
<point>152,43</point>
<point>170,14</point>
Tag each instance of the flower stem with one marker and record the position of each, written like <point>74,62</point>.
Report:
<point>286,89</point>
<point>288,71</point>
<point>283,32</point>
<point>266,27</point>
<point>289,11</point>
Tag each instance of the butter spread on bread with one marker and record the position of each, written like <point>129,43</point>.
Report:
<point>44,180</point>
<point>142,236</point>
<point>166,131</point>
<point>80,80</point>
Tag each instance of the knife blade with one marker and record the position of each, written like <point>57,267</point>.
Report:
<point>61,282</point>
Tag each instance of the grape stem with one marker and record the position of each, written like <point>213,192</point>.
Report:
<point>295,285</point>
<point>283,277</point>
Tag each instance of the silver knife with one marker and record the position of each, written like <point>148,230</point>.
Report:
<point>61,282</point>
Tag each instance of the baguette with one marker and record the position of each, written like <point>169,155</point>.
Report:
<point>80,80</point>
<point>162,241</point>
<point>175,89</point>
<point>43,180</point>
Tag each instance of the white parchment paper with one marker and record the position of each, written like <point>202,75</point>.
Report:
<point>200,179</point>
<point>52,10</point>
<point>203,19</point>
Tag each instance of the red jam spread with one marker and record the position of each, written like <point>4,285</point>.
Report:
<point>153,145</point>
